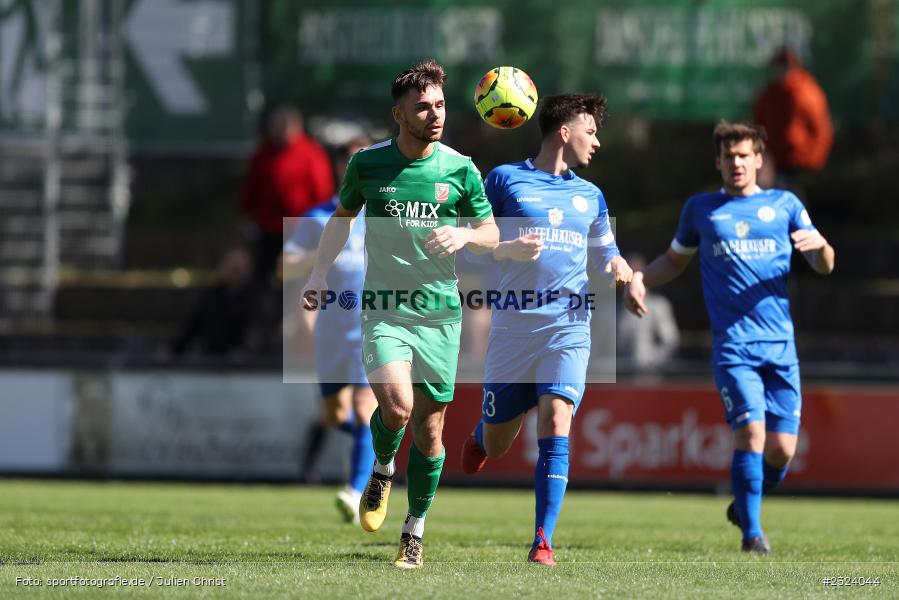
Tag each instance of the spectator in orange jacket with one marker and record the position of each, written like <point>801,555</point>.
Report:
<point>793,110</point>
<point>289,173</point>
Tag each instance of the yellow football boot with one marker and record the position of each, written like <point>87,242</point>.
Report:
<point>409,555</point>
<point>373,504</point>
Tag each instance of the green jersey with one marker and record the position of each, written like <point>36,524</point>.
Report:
<point>405,200</point>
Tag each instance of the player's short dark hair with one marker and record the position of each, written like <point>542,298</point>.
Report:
<point>420,77</point>
<point>564,108</point>
<point>734,133</point>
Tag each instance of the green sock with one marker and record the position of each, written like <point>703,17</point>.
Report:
<point>385,441</point>
<point>422,476</point>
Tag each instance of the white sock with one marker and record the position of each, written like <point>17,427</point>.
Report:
<point>414,525</point>
<point>385,470</point>
<point>354,494</point>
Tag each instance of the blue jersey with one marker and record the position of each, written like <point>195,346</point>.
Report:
<point>744,257</point>
<point>347,273</point>
<point>571,216</point>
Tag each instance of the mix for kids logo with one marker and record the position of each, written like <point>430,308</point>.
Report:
<point>414,214</point>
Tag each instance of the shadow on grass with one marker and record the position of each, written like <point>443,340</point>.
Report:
<point>373,557</point>
<point>155,559</point>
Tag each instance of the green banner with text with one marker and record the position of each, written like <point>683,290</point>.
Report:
<point>196,70</point>
<point>686,60</point>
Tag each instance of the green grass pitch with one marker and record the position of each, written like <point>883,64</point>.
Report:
<point>271,541</point>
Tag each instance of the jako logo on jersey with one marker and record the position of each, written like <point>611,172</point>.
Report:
<point>386,190</point>
<point>529,199</point>
<point>766,214</point>
<point>555,216</point>
<point>580,203</point>
<point>722,217</point>
<point>742,229</point>
<point>441,192</point>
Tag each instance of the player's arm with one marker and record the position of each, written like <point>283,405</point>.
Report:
<point>297,263</point>
<point>298,255</point>
<point>481,237</point>
<point>336,233</point>
<point>603,253</point>
<point>334,237</point>
<point>619,272</point>
<point>525,248</point>
<point>665,267</point>
<point>807,239</point>
<point>608,262</point>
<point>484,236</point>
<point>815,250</point>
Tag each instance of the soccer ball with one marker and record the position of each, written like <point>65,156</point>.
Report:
<point>505,97</point>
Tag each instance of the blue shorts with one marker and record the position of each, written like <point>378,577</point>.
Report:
<point>759,381</point>
<point>519,370</point>
<point>338,365</point>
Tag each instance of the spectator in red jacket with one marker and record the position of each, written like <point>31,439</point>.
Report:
<point>793,110</point>
<point>289,173</point>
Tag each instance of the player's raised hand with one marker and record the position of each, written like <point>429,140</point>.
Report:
<point>635,295</point>
<point>447,240</point>
<point>314,292</point>
<point>808,239</point>
<point>526,248</point>
<point>620,270</point>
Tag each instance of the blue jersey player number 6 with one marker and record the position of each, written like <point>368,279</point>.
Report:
<point>745,237</point>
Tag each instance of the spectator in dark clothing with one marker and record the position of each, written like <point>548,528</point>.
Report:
<point>289,173</point>
<point>220,323</point>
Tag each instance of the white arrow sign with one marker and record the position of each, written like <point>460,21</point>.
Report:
<point>22,80</point>
<point>162,32</point>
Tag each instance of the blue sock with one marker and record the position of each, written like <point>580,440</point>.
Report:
<point>479,434</point>
<point>746,477</point>
<point>772,476</point>
<point>363,457</point>
<point>550,481</point>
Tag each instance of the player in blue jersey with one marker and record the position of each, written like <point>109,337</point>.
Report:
<point>551,220</point>
<point>348,401</point>
<point>745,237</point>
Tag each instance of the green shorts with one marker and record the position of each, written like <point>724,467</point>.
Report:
<point>433,351</point>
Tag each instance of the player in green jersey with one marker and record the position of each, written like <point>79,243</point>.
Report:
<point>415,191</point>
